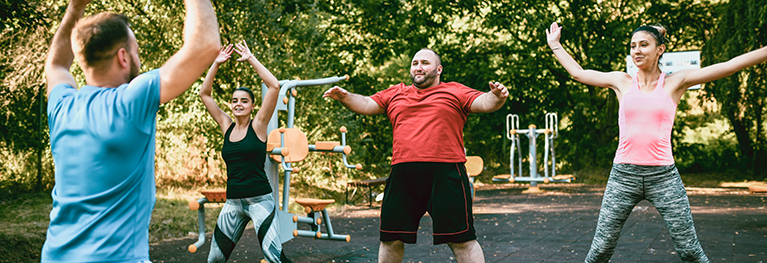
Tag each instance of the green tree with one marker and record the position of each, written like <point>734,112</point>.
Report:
<point>596,34</point>
<point>742,27</point>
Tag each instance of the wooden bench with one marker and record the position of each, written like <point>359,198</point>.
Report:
<point>367,183</point>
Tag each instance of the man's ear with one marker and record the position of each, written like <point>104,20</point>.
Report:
<point>122,58</point>
<point>439,70</point>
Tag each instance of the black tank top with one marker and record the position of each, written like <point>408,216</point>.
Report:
<point>245,165</point>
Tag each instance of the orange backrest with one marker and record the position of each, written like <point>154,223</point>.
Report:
<point>474,165</point>
<point>295,142</point>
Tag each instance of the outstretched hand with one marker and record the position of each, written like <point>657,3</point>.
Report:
<point>336,93</point>
<point>553,33</point>
<point>224,54</point>
<point>499,90</point>
<point>244,51</point>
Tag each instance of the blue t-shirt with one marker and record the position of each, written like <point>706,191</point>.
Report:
<point>103,145</point>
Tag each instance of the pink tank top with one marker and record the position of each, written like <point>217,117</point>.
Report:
<point>645,122</point>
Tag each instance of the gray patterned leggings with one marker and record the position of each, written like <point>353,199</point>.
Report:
<point>662,186</point>
<point>235,215</point>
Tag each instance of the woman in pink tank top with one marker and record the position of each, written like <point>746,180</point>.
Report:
<point>643,168</point>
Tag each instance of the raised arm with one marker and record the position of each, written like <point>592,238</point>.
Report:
<point>588,77</point>
<point>206,90</point>
<point>354,102</point>
<point>201,46</point>
<point>492,100</point>
<point>60,56</point>
<point>692,77</point>
<point>264,114</point>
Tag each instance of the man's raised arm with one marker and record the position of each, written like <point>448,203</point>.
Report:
<point>201,46</point>
<point>354,102</point>
<point>60,55</point>
<point>492,100</point>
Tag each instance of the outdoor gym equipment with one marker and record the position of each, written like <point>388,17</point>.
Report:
<point>286,146</point>
<point>550,133</point>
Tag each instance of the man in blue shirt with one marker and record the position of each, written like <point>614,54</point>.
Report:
<point>103,135</point>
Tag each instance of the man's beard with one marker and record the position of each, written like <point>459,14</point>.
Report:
<point>428,79</point>
<point>134,70</point>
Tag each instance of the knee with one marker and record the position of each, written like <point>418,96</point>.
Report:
<point>462,246</point>
<point>393,243</point>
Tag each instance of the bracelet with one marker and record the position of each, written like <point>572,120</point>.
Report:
<point>555,48</point>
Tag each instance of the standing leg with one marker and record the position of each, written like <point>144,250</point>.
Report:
<point>229,227</point>
<point>666,192</point>
<point>403,206</point>
<point>262,210</point>
<point>451,209</point>
<point>622,193</point>
<point>391,251</point>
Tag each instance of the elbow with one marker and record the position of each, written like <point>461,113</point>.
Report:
<point>210,50</point>
<point>577,77</point>
<point>205,50</point>
<point>273,84</point>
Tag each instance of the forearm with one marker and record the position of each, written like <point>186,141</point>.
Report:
<point>361,104</point>
<point>749,59</point>
<point>564,58</point>
<point>207,84</point>
<point>487,103</point>
<point>60,54</point>
<point>264,73</point>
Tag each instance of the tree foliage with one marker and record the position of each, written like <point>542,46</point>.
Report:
<point>373,41</point>
<point>742,27</point>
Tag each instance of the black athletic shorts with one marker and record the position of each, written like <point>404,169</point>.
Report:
<point>442,189</point>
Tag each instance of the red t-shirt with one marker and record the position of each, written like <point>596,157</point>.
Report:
<point>428,124</point>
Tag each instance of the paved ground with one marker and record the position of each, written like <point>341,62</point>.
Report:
<point>555,226</point>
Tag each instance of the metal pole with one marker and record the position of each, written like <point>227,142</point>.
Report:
<point>533,164</point>
<point>40,146</point>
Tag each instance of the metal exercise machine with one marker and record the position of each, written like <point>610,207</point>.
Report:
<point>550,133</point>
<point>286,146</point>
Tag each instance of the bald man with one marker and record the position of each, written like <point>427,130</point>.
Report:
<point>428,172</point>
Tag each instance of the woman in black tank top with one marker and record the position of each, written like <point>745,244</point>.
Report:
<point>248,191</point>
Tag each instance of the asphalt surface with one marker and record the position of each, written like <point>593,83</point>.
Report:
<point>554,226</point>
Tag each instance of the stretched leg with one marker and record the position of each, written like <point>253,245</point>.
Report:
<point>467,252</point>
<point>622,193</point>
<point>666,192</point>
<point>263,212</point>
<point>229,227</point>
<point>391,251</point>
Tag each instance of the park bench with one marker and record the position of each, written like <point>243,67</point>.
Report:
<point>369,184</point>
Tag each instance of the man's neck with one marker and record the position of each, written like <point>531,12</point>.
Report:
<point>106,80</point>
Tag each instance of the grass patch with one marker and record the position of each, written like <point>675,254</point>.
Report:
<point>172,218</point>
<point>25,222</point>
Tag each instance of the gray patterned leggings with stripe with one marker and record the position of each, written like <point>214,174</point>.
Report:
<point>662,186</point>
<point>232,221</point>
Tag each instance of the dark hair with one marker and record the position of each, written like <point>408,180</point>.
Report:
<point>439,58</point>
<point>657,31</point>
<point>246,90</point>
<point>100,36</point>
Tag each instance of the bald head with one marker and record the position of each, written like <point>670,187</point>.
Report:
<point>425,69</point>
<point>435,58</point>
